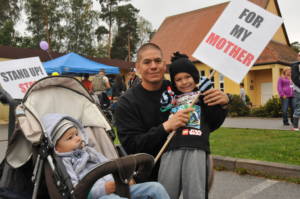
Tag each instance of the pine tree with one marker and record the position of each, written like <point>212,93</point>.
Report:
<point>9,15</point>
<point>124,44</point>
<point>45,19</point>
<point>80,33</point>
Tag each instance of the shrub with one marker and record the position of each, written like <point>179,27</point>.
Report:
<point>237,107</point>
<point>271,109</point>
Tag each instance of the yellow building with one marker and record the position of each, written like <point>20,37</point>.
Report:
<point>184,32</point>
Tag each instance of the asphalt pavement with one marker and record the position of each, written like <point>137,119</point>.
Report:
<point>255,123</point>
<point>229,185</point>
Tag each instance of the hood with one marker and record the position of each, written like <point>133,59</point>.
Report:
<point>51,121</point>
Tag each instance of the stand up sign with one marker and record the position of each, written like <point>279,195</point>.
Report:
<point>17,75</point>
<point>237,39</point>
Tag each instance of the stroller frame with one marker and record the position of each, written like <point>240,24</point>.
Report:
<point>27,117</point>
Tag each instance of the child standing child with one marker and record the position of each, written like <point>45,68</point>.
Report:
<point>70,142</point>
<point>184,165</point>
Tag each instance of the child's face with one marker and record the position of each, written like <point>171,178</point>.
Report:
<point>69,141</point>
<point>184,82</point>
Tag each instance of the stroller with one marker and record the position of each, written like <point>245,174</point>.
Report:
<point>30,148</point>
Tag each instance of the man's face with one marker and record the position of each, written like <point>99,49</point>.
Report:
<point>69,141</point>
<point>151,66</point>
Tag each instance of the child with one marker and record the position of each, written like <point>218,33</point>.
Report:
<point>70,143</point>
<point>184,165</point>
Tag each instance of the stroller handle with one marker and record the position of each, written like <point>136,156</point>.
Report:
<point>122,169</point>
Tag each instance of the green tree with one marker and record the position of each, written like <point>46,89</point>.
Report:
<point>108,9</point>
<point>80,33</point>
<point>45,18</point>
<point>296,46</point>
<point>145,31</point>
<point>125,41</point>
<point>9,15</point>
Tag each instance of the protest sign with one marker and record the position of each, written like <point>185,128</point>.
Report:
<point>17,75</point>
<point>237,39</point>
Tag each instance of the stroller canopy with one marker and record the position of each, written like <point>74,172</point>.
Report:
<point>56,94</point>
<point>74,63</point>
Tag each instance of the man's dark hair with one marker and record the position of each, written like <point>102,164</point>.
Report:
<point>147,46</point>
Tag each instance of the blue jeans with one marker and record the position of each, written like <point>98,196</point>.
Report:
<point>297,105</point>
<point>147,190</point>
<point>285,104</point>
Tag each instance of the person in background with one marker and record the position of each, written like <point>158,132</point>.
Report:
<point>134,80</point>
<point>296,81</point>
<point>243,93</point>
<point>142,127</point>
<point>100,84</point>
<point>286,93</point>
<point>87,83</point>
<point>118,87</point>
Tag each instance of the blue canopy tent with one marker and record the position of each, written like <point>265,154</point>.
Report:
<point>73,63</point>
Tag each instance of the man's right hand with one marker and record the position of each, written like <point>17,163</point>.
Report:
<point>179,119</point>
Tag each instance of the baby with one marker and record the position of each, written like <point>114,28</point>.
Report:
<point>70,143</point>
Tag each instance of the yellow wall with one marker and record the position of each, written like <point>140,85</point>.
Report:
<point>3,113</point>
<point>252,81</point>
<point>279,35</point>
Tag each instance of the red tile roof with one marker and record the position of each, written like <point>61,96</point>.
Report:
<point>17,53</point>
<point>184,32</point>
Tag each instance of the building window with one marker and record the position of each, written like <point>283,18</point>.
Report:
<point>202,73</point>
<point>221,82</point>
<point>212,78</point>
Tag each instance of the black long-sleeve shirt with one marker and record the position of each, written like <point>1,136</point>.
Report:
<point>204,120</point>
<point>139,121</point>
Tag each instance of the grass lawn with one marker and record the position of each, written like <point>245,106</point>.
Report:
<point>266,145</point>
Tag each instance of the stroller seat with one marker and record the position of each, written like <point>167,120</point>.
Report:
<point>66,95</point>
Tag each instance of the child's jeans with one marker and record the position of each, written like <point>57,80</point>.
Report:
<point>147,190</point>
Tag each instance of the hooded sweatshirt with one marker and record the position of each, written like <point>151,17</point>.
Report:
<point>80,161</point>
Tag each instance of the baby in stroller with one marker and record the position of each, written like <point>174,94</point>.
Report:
<point>70,143</point>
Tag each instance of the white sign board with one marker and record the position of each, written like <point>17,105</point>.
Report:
<point>237,39</point>
<point>17,75</point>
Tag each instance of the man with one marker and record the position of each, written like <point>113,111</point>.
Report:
<point>296,81</point>
<point>142,127</point>
<point>134,80</point>
<point>100,84</point>
<point>243,93</point>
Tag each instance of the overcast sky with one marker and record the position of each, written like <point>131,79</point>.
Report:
<point>156,11</point>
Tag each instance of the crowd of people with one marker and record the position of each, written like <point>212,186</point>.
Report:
<point>151,108</point>
<point>104,88</point>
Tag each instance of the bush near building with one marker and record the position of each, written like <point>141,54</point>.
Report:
<point>271,109</point>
